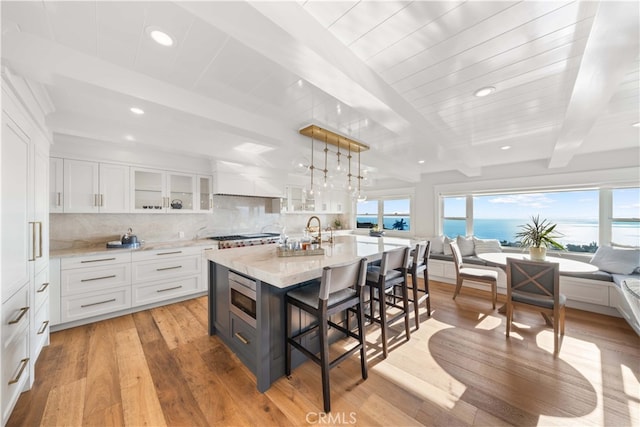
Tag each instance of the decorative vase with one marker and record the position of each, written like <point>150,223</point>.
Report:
<point>537,254</point>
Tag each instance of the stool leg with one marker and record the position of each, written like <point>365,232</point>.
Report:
<point>324,361</point>
<point>383,317</point>
<point>426,289</point>
<point>287,322</point>
<point>405,298</point>
<point>363,350</point>
<point>414,283</point>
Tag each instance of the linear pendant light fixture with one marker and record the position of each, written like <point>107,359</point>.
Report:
<point>341,142</point>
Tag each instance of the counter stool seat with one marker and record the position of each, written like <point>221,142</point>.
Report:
<point>339,289</point>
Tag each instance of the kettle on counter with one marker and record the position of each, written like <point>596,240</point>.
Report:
<point>176,204</point>
<point>129,238</point>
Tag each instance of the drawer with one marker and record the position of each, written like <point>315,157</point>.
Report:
<point>164,290</point>
<point>95,260</point>
<point>243,338</point>
<point>585,290</point>
<point>15,372</point>
<point>15,316</point>
<point>40,331</point>
<point>159,269</point>
<point>41,288</point>
<point>82,280</point>
<point>161,254</point>
<point>83,306</point>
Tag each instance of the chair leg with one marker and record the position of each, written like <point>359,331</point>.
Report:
<point>363,345</point>
<point>287,353</point>
<point>556,335</point>
<point>426,289</point>
<point>458,286</point>
<point>383,318</point>
<point>562,320</point>
<point>324,363</point>
<point>494,294</point>
<point>414,282</point>
<point>405,301</point>
<point>509,316</point>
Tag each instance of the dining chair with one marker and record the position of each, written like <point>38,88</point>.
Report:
<point>537,284</point>
<point>473,274</point>
<point>419,263</point>
<point>383,282</point>
<point>339,289</point>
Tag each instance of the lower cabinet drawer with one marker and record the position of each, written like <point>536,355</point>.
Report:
<point>81,280</point>
<point>243,337</point>
<point>15,372</point>
<point>83,306</point>
<point>41,288</point>
<point>15,316</point>
<point>146,271</point>
<point>165,289</point>
<point>40,330</point>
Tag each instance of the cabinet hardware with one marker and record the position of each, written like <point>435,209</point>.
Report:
<point>98,260</point>
<point>43,287</point>
<point>98,278</point>
<point>23,311</point>
<point>241,338</point>
<point>101,200</point>
<point>40,239</point>
<point>98,303</point>
<point>43,327</point>
<point>58,200</point>
<point>169,253</point>
<point>33,241</point>
<point>169,268</point>
<point>24,363</point>
<point>169,289</point>
<point>95,200</point>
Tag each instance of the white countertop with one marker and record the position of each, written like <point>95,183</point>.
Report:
<point>146,246</point>
<point>566,265</point>
<point>262,262</point>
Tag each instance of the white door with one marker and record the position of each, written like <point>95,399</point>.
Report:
<point>114,188</point>
<point>80,186</point>
<point>16,250</point>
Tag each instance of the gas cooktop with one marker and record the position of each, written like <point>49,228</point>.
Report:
<point>239,240</point>
<point>244,236</point>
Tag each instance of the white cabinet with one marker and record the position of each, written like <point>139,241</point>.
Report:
<point>205,193</point>
<point>95,187</point>
<point>327,201</point>
<point>56,180</point>
<point>156,190</point>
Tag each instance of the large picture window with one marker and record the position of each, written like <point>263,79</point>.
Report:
<point>583,217</point>
<point>387,214</point>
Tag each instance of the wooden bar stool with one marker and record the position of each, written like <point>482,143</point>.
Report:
<point>339,289</point>
<point>383,281</point>
<point>419,264</point>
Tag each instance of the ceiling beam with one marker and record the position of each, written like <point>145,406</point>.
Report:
<point>605,62</point>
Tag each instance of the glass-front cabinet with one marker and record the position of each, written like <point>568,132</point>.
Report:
<point>205,193</point>
<point>161,191</point>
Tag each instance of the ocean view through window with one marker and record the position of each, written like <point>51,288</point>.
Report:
<point>576,213</point>
<point>392,214</point>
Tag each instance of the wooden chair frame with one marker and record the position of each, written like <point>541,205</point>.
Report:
<point>463,274</point>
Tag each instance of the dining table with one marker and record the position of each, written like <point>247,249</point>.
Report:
<point>565,265</point>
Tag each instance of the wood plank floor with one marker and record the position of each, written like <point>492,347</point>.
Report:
<point>159,367</point>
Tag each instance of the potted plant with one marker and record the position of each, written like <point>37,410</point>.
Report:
<point>337,224</point>
<point>376,231</point>
<point>538,236</point>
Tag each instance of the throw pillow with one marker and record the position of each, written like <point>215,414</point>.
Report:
<point>483,246</point>
<point>437,244</point>
<point>616,261</point>
<point>466,245</point>
<point>447,248</point>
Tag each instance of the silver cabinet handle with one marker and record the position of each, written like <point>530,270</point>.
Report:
<point>39,239</point>
<point>241,338</point>
<point>169,289</point>
<point>42,288</point>
<point>98,278</point>
<point>23,311</point>
<point>169,253</point>
<point>98,303</point>
<point>97,260</point>
<point>43,327</point>
<point>95,200</point>
<point>33,241</point>
<point>24,363</point>
<point>169,268</point>
<point>58,201</point>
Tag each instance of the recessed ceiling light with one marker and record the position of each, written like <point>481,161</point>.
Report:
<point>250,147</point>
<point>136,110</point>
<point>159,36</point>
<point>300,83</point>
<point>484,91</point>
<point>637,124</point>
<point>421,161</point>
<point>129,138</point>
<point>505,147</point>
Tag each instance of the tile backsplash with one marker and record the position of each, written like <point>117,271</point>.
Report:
<point>231,215</point>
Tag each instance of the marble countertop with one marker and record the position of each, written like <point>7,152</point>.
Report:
<point>146,246</point>
<point>262,262</point>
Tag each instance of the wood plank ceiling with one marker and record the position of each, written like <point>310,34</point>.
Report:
<point>398,75</point>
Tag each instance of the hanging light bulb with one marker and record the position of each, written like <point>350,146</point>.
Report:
<point>339,166</point>
<point>349,187</point>
<point>311,168</point>
<point>325,184</point>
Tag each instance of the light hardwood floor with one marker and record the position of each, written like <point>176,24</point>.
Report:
<point>159,367</point>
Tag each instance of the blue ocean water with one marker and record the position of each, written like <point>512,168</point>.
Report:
<point>388,222</point>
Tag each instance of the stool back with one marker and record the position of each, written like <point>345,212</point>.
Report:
<point>343,276</point>
<point>396,259</point>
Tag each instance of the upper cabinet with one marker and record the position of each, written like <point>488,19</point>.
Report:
<point>156,190</point>
<point>91,187</point>
<point>205,193</point>
<point>297,200</point>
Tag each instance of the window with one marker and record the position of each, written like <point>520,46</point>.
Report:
<point>392,214</point>
<point>625,217</point>
<point>454,220</point>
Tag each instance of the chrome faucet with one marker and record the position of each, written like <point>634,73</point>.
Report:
<point>319,228</point>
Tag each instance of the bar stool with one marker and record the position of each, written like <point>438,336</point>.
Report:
<point>419,264</point>
<point>339,289</point>
<point>383,281</point>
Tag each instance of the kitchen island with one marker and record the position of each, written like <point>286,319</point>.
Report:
<point>249,316</point>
